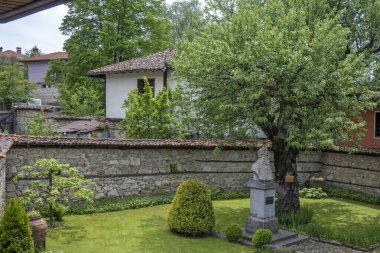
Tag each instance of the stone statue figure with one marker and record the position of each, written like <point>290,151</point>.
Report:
<point>261,168</point>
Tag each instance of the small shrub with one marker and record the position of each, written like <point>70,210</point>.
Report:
<point>59,211</point>
<point>261,237</point>
<point>191,212</point>
<point>294,220</point>
<point>312,193</point>
<point>213,190</point>
<point>15,234</point>
<point>233,232</point>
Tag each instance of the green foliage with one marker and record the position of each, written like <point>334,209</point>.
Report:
<point>40,126</point>
<point>64,182</point>
<point>313,193</point>
<point>261,237</point>
<point>366,239</point>
<point>109,204</point>
<point>102,33</point>
<point>345,193</point>
<point>15,234</point>
<point>34,214</point>
<point>191,212</point>
<point>117,204</point>
<point>186,18</point>
<point>233,232</point>
<point>294,220</point>
<point>149,117</point>
<point>14,87</point>
<point>59,211</point>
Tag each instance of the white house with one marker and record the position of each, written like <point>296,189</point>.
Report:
<point>121,78</point>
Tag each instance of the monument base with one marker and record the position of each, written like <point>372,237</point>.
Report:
<point>254,223</point>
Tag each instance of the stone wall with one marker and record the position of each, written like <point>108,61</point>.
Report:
<point>124,172</point>
<point>354,171</point>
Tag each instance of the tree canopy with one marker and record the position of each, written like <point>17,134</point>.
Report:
<point>100,33</point>
<point>287,66</point>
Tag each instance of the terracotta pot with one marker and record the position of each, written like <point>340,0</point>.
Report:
<point>289,179</point>
<point>39,229</point>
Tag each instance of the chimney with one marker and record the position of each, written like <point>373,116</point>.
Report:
<point>1,49</point>
<point>35,51</point>
<point>18,50</point>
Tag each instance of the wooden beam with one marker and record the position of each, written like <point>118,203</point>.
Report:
<point>25,8</point>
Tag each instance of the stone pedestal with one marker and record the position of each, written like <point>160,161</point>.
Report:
<point>262,207</point>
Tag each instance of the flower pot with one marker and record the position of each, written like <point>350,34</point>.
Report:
<point>39,229</point>
<point>289,179</point>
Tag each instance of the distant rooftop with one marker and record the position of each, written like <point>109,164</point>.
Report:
<point>9,53</point>
<point>153,62</point>
<point>14,9</point>
<point>47,57</point>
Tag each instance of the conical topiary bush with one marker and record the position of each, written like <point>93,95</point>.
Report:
<point>191,213</point>
<point>15,234</point>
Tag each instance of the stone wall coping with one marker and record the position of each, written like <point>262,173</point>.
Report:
<point>38,141</point>
<point>37,107</point>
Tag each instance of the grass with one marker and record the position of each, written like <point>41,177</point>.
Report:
<point>142,230</point>
<point>145,229</point>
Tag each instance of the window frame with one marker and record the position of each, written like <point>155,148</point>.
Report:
<point>150,80</point>
<point>376,114</point>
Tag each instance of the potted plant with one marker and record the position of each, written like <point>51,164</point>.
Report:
<point>39,229</point>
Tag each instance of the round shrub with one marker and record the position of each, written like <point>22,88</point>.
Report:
<point>261,237</point>
<point>15,233</point>
<point>191,212</point>
<point>233,232</point>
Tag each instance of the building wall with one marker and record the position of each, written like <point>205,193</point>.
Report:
<point>47,95</point>
<point>119,85</point>
<point>37,71</point>
<point>369,140</point>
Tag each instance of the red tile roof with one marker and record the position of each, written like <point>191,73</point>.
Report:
<point>157,61</point>
<point>48,57</point>
<point>28,141</point>
<point>10,53</point>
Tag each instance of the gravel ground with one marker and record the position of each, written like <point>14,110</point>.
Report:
<point>312,246</point>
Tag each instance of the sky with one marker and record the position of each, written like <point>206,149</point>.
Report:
<point>40,29</point>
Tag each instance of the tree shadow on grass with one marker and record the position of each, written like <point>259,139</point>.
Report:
<point>68,234</point>
<point>339,216</point>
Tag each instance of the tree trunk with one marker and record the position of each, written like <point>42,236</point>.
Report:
<point>286,165</point>
<point>50,205</point>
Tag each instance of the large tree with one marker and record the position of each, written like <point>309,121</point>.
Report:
<point>102,32</point>
<point>187,18</point>
<point>282,65</point>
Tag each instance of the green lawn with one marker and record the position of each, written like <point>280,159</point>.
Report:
<point>145,229</point>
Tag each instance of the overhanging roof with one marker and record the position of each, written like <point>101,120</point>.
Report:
<point>14,9</point>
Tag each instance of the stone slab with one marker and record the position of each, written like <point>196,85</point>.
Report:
<point>281,239</point>
<point>254,223</point>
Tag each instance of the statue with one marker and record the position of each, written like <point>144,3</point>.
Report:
<point>262,170</point>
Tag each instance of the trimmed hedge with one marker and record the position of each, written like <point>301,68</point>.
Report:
<point>345,193</point>
<point>191,213</point>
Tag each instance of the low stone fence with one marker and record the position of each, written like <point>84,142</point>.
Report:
<point>130,167</point>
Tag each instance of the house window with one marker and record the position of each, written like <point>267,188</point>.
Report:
<point>377,124</point>
<point>140,85</point>
<point>45,85</point>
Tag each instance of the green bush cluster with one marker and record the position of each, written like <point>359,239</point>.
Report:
<point>312,193</point>
<point>109,204</point>
<point>344,193</point>
<point>233,232</point>
<point>261,237</point>
<point>15,234</point>
<point>294,220</point>
<point>59,211</point>
<point>191,212</point>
